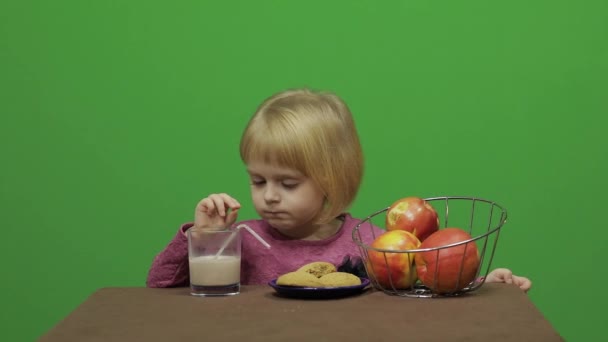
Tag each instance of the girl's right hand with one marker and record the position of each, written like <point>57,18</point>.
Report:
<point>216,210</point>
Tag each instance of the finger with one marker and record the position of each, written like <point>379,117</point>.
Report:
<point>201,207</point>
<point>497,275</point>
<point>219,204</point>
<point>229,201</point>
<point>231,218</point>
<point>206,206</point>
<point>506,275</point>
<point>522,282</point>
<point>224,201</point>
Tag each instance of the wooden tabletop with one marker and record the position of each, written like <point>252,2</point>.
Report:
<point>495,312</point>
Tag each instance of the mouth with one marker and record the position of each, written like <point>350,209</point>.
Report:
<point>274,213</point>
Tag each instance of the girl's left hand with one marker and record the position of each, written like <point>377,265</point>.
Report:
<point>503,275</point>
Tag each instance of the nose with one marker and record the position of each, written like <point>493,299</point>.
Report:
<point>271,194</point>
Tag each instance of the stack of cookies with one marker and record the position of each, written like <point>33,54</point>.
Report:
<point>318,274</point>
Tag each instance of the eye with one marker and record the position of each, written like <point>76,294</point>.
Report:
<point>290,185</point>
<point>257,181</point>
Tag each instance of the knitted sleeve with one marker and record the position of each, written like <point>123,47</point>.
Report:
<point>170,266</point>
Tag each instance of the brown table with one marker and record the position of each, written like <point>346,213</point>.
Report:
<point>496,312</point>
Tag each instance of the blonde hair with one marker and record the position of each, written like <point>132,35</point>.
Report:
<point>314,133</point>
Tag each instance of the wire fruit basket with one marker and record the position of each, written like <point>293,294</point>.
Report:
<point>397,271</point>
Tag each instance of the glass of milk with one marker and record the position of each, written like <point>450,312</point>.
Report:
<point>214,256</point>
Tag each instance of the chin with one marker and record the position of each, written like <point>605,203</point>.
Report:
<point>279,224</point>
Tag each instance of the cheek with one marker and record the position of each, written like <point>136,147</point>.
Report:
<point>256,197</point>
<point>316,198</point>
<point>312,205</point>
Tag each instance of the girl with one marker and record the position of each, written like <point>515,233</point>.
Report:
<point>305,165</point>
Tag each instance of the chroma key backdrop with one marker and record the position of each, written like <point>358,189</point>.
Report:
<point>116,117</point>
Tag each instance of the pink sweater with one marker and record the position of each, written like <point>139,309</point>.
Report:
<point>259,265</point>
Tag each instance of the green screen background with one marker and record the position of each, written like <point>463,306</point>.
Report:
<point>118,116</point>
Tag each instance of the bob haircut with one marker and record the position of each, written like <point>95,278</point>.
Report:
<point>313,133</point>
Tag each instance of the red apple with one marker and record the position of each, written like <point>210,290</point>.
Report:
<point>447,270</point>
<point>414,215</point>
<point>393,270</point>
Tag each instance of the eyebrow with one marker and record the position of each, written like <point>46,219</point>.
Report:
<point>277,176</point>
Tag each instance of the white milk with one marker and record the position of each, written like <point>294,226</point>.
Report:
<point>209,270</point>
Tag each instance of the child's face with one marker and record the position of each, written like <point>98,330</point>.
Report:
<point>284,197</point>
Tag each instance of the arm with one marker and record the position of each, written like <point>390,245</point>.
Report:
<point>170,267</point>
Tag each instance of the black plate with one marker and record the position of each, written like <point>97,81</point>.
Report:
<point>319,292</point>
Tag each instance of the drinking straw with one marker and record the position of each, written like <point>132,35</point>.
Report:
<point>247,228</point>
